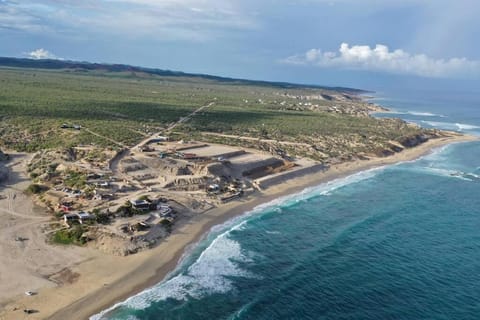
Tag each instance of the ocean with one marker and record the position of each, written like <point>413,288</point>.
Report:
<point>396,242</point>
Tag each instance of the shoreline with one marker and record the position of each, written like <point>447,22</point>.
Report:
<point>107,280</point>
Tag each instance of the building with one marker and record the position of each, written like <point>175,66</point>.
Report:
<point>158,139</point>
<point>143,205</point>
<point>146,148</point>
<point>102,184</point>
<point>187,156</point>
<point>65,206</point>
<point>164,210</point>
<point>103,196</point>
<point>79,217</point>
<point>213,188</point>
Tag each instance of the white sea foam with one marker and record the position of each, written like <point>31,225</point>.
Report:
<point>448,173</point>
<point>442,125</point>
<point>472,175</point>
<point>417,113</point>
<point>444,172</point>
<point>437,154</point>
<point>329,187</point>
<point>273,232</point>
<point>463,126</point>
<point>451,125</point>
<point>237,314</point>
<point>425,114</point>
<point>323,189</point>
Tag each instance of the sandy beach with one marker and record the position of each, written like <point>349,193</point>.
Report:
<point>83,281</point>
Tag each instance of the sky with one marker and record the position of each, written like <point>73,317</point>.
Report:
<point>358,43</point>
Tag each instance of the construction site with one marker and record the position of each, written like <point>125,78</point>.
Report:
<point>128,200</point>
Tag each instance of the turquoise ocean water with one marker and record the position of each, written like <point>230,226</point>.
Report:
<point>397,242</point>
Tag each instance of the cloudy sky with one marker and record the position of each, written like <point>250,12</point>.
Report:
<point>358,43</point>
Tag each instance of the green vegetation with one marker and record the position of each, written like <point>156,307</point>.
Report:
<point>127,210</point>
<point>167,225</point>
<point>102,217</point>
<point>70,236</point>
<point>117,109</point>
<point>36,188</point>
<point>34,104</point>
<point>75,179</point>
<point>3,156</point>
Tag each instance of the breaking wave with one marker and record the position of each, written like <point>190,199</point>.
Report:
<point>418,113</point>
<point>447,173</point>
<point>451,125</point>
<point>426,114</point>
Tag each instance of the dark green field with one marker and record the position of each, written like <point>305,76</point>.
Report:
<point>127,106</point>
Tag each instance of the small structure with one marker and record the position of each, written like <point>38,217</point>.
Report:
<point>164,210</point>
<point>72,192</point>
<point>69,218</point>
<point>158,139</point>
<point>143,205</point>
<point>146,148</point>
<point>94,176</point>
<point>126,187</point>
<point>187,156</point>
<point>79,217</point>
<point>76,193</point>
<point>102,184</point>
<point>231,197</point>
<point>103,196</point>
<point>140,226</point>
<point>83,216</point>
<point>65,206</point>
<point>233,188</point>
<point>213,188</point>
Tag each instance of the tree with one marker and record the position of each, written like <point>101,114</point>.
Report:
<point>36,188</point>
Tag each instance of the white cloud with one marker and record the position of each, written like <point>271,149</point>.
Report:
<point>196,20</point>
<point>41,54</point>
<point>381,59</point>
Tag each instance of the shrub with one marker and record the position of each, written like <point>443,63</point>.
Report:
<point>35,188</point>
<point>75,179</point>
<point>70,236</point>
<point>166,224</point>
<point>127,210</point>
<point>144,197</point>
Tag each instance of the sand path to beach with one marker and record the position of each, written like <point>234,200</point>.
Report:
<point>26,260</point>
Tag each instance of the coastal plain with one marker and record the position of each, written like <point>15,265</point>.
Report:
<point>209,149</point>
